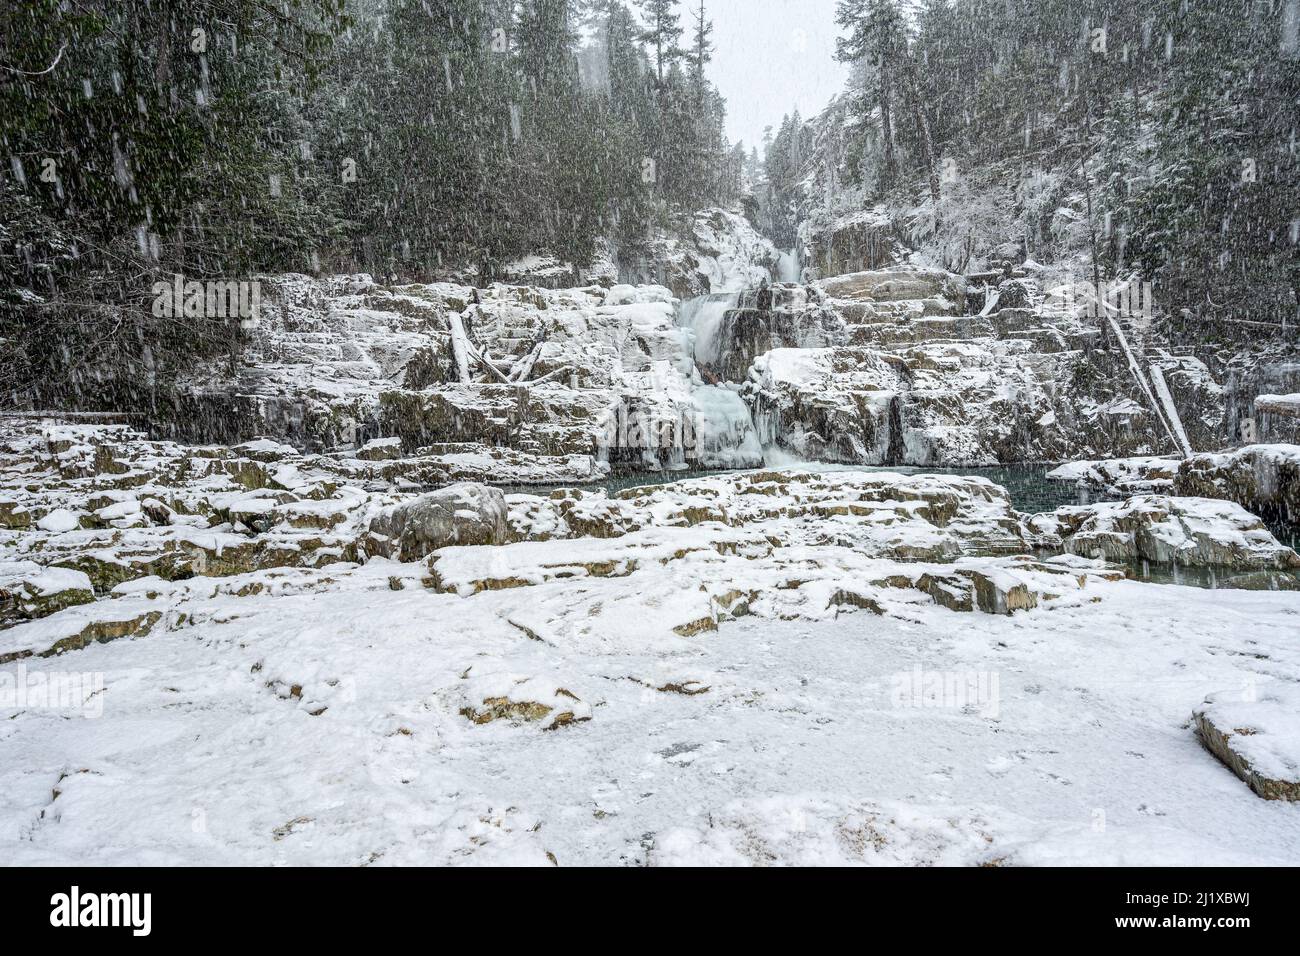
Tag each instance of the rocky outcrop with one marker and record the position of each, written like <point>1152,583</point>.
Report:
<point>465,514</point>
<point>746,333</point>
<point>1263,478</point>
<point>900,283</point>
<point>856,242</point>
<point>1277,418</point>
<point>29,591</point>
<point>913,380</point>
<point>717,251</point>
<point>1166,531</point>
<point>1121,477</point>
<point>1256,734</point>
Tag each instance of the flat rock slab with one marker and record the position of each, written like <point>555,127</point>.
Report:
<point>1259,739</point>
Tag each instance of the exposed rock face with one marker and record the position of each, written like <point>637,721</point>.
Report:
<point>830,404</point>
<point>745,334</point>
<point>606,371</point>
<point>1263,478</point>
<point>465,514</point>
<point>853,243</point>
<point>1278,418</point>
<point>599,372</point>
<point>897,284</point>
<point>719,251</point>
<point>28,591</point>
<point>1188,532</point>
<point>911,380</point>
<point>1257,736</point>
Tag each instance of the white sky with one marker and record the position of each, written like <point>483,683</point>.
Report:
<point>772,56</point>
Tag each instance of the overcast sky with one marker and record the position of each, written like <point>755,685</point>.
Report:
<point>772,56</point>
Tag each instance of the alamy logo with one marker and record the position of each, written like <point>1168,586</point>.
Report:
<point>951,690</point>
<point>52,690</point>
<point>103,909</point>
<point>214,299</point>
<point>1130,299</point>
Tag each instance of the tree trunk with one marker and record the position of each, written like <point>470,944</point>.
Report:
<point>163,65</point>
<point>923,127</point>
<point>886,127</point>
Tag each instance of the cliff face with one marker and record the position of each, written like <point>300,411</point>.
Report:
<point>719,251</point>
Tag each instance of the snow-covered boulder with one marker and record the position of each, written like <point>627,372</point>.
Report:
<point>1121,477</point>
<point>1257,736</point>
<point>465,514</point>
<point>28,590</point>
<point>1263,478</point>
<point>1187,532</point>
<point>1278,417</point>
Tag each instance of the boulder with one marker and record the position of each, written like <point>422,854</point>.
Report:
<point>29,591</point>
<point>1163,530</point>
<point>1257,736</point>
<point>464,514</point>
<point>1263,478</point>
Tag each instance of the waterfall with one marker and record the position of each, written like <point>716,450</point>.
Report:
<point>725,436</point>
<point>702,318</point>
<point>787,269</point>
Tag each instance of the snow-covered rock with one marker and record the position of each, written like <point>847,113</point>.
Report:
<point>696,636</point>
<point>1121,477</point>
<point>1188,532</point>
<point>512,697</point>
<point>1263,478</point>
<point>28,590</point>
<point>1257,736</point>
<point>717,251</point>
<point>897,284</point>
<point>464,514</point>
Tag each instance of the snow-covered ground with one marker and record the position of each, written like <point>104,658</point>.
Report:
<point>766,741</point>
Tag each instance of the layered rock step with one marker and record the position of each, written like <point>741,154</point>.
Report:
<point>886,367</point>
<point>117,534</point>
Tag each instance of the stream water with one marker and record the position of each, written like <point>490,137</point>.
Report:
<point>1030,489</point>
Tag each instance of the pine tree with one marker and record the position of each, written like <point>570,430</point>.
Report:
<point>664,34</point>
<point>875,33</point>
<point>700,55</point>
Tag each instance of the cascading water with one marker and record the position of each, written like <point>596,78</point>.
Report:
<point>787,269</point>
<point>725,434</point>
<point>702,317</point>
